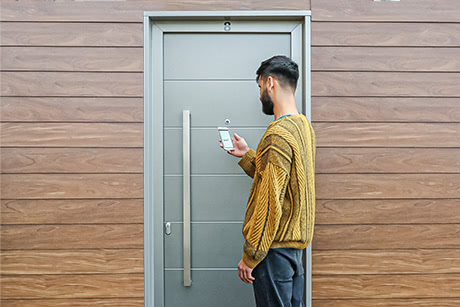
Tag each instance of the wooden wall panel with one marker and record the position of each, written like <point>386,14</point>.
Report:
<point>101,59</point>
<point>72,160</point>
<point>72,109</point>
<point>380,34</point>
<point>386,109</point>
<point>73,286</point>
<point>386,286</point>
<point>81,302</point>
<point>72,34</point>
<point>385,261</point>
<point>34,262</point>
<point>386,90</point>
<point>72,134</point>
<point>67,211</point>
<point>72,84</point>
<point>405,10</point>
<point>72,236</point>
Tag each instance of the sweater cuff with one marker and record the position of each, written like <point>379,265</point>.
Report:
<point>246,160</point>
<point>250,262</point>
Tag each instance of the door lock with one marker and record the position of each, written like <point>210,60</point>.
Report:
<point>227,26</point>
<point>168,228</point>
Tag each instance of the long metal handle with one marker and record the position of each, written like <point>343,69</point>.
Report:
<point>186,185</point>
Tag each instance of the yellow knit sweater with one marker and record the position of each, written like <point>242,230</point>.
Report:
<point>281,206</point>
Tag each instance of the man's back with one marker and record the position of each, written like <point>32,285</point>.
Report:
<point>281,206</point>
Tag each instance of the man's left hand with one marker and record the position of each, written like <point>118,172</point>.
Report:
<point>245,272</point>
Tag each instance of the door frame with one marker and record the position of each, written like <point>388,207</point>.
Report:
<point>155,24</point>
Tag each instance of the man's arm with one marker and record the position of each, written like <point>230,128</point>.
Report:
<point>264,209</point>
<point>248,162</point>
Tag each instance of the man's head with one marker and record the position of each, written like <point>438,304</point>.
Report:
<point>276,76</point>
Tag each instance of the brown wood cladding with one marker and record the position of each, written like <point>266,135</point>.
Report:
<point>385,107</point>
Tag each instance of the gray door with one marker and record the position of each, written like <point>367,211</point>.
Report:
<point>207,78</point>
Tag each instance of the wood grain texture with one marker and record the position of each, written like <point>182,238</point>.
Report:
<point>38,186</point>
<point>388,302</point>
<point>129,11</point>
<point>95,34</point>
<point>387,211</point>
<point>387,186</point>
<point>73,286</point>
<point>386,286</point>
<point>433,135</point>
<point>344,160</point>
<point>386,237</point>
<point>72,134</point>
<point>82,261</point>
<point>385,84</point>
<point>72,109</point>
<point>405,10</point>
<point>72,160</point>
<point>71,84</point>
<point>100,59</point>
<point>385,109</point>
<point>63,211</point>
<point>414,59</point>
<point>75,302</point>
<point>375,34</point>
<point>77,236</point>
<point>394,261</point>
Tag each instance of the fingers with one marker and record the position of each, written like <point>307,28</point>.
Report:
<point>237,137</point>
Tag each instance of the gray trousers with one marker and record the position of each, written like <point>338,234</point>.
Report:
<point>279,279</point>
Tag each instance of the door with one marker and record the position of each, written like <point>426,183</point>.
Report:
<point>205,77</point>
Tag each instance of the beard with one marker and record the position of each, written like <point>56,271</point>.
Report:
<point>267,103</point>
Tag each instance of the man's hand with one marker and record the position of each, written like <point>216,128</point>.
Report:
<point>245,272</point>
<point>241,147</point>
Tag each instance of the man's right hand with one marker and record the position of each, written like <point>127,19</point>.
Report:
<point>241,147</point>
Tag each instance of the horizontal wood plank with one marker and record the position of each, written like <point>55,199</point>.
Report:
<point>385,84</point>
<point>98,34</point>
<point>72,236</point>
<point>72,59</point>
<point>387,211</point>
<point>404,261</point>
<point>410,59</point>
<point>374,34</point>
<point>37,186</point>
<point>385,109</point>
<point>346,160</point>
<point>349,237</point>
<point>74,302</point>
<point>81,211</point>
<point>73,286</point>
<point>72,109</point>
<point>96,261</point>
<point>72,84</point>
<point>129,11</point>
<point>386,286</point>
<point>388,302</point>
<point>72,160</point>
<point>387,186</point>
<point>72,134</point>
<point>436,135</point>
<point>406,10</point>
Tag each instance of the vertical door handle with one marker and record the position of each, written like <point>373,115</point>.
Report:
<point>186,195</point>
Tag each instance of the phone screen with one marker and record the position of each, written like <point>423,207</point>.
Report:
<point>226,139</point>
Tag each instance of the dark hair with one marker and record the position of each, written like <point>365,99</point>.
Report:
<point>285,71</point>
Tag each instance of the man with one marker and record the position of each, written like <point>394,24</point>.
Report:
<point>280,213</point>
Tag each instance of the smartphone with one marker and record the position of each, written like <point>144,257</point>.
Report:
<point>225,138</point>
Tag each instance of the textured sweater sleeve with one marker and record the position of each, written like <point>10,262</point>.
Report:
<point>248,162</point>
<point>264,209</point>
